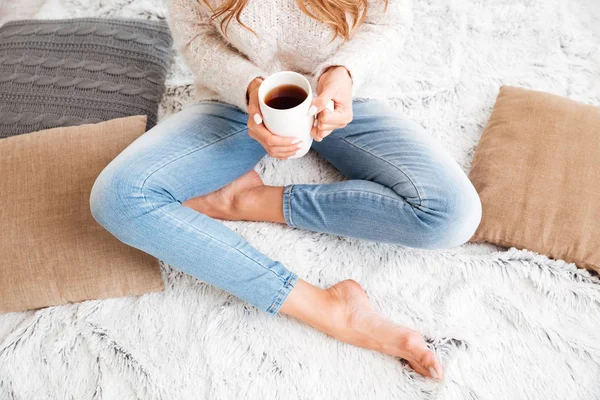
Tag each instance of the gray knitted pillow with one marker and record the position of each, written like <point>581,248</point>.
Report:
<point>71,72</point>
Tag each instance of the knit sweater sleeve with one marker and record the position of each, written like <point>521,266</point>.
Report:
<point>218,65</point>
<point>376,43</point>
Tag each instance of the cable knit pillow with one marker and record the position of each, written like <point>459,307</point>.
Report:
<point>52,251</point>
<point>536,171</point>
<point>71,72</point>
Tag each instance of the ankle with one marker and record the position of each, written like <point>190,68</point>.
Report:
<point>241,203</point>
<point>315,306</point>
<point>260,203</point>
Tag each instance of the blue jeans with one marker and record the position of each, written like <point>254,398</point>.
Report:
<point>402,189</point>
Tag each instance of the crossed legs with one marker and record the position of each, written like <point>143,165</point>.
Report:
<point>165,193</point>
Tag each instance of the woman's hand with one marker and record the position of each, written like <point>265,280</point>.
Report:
<point>276,146</point>
<point>334,84</point>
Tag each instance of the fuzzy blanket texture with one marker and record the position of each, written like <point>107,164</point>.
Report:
<point>507,324</point>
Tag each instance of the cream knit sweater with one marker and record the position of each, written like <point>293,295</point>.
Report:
<point>286,39</point>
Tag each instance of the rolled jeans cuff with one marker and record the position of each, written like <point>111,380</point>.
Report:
<point>287,205</point>
<point>287,287</point>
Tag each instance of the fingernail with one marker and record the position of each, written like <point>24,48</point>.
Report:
<point>312,110</point>
<point>316,122</point>
<point>296,141</point>
<point>433,373</point>
<point>298,148</point>
<point>257,119</point>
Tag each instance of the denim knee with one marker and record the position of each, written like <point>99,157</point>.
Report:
<point>115,200</point>
<point>454,219</point>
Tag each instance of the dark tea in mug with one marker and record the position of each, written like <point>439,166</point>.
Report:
<point>285,96</point>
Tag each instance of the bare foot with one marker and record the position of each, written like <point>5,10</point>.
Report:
<point>357,323</point>
<point>221,204</point>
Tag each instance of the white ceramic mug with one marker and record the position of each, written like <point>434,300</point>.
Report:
<point>291,122</point>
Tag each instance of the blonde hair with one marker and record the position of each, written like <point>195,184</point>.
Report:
<point>331,12</point>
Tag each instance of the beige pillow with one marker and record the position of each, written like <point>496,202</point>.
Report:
<point>52,251</point>
<point>537,172</point>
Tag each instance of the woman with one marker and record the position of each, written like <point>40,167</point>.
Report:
<point>165,193</point>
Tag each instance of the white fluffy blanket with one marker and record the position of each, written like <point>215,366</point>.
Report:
<point>508,324</point>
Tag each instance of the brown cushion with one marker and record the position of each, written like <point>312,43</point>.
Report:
<point>52,251</point>
<point>536,171</point>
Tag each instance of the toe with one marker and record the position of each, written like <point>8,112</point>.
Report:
<point>418,368</point>
<point>426,363</point>
<point>432,365</point>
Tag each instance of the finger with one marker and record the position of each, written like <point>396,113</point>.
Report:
<point>254,118</point>
<point>284,149</point>
<point>329,127</point>
<point>266,138</point>
<point>314,132</point>
<point>324,134</point>
<point>253,105</point>
<point>320,103</point>
<point>338,117</point>
<point>276,140</point>
<point>283,155</point>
